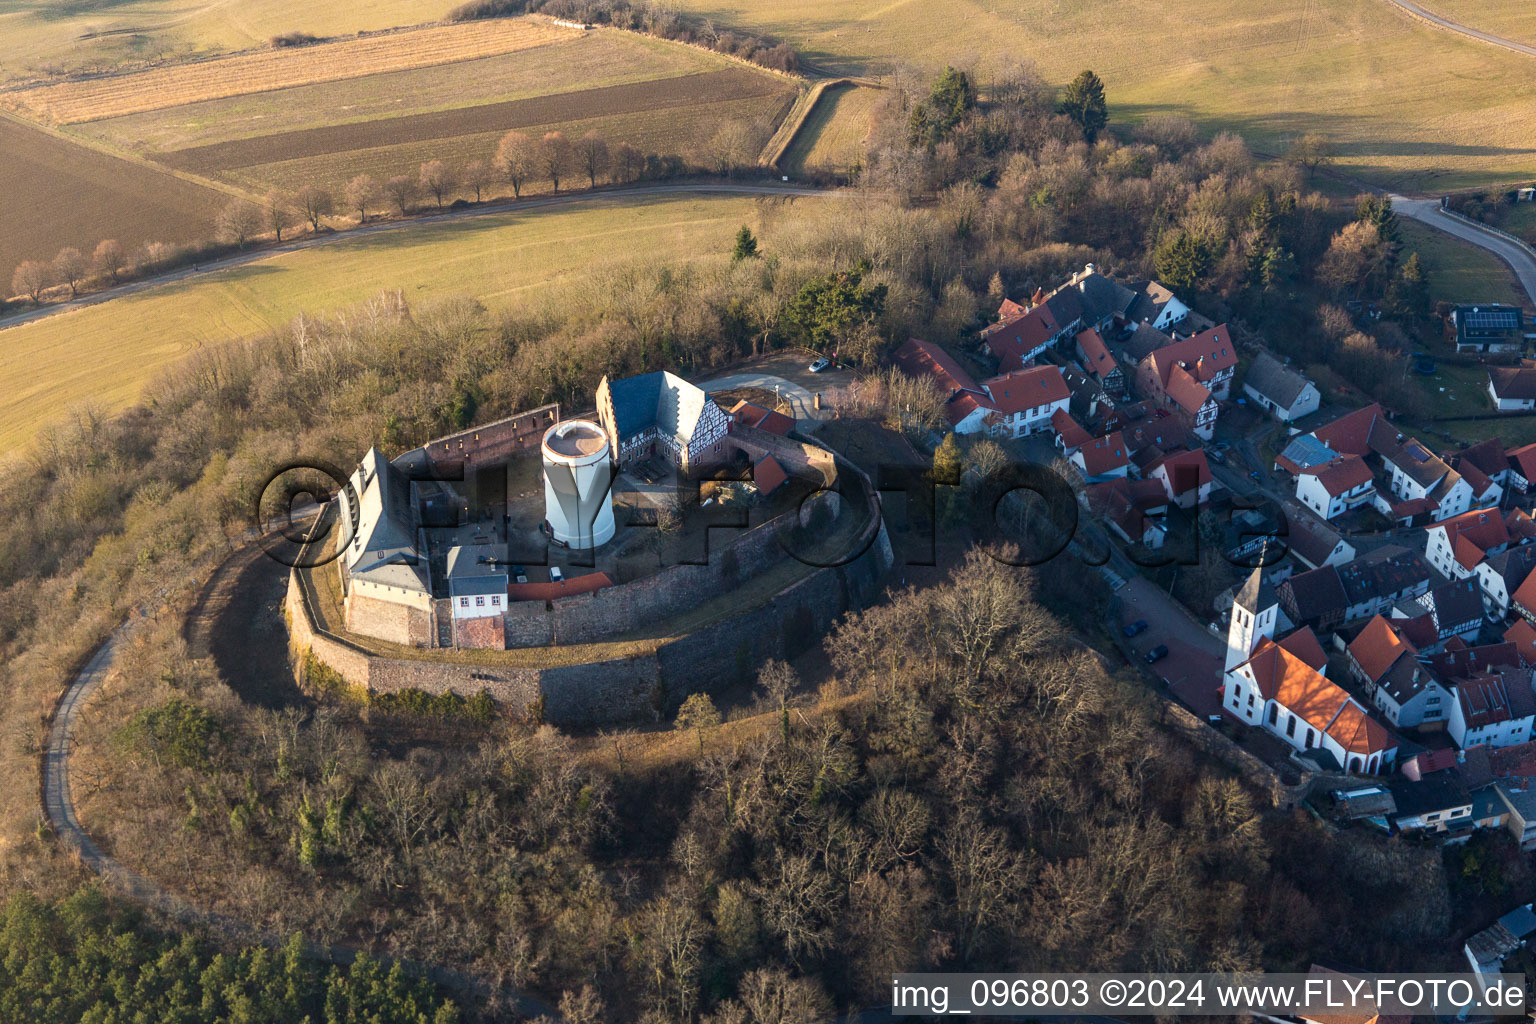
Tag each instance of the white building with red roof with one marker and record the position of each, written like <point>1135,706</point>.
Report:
<point>1336,487</point>
<point>1191,377</point>
<point>1496,709</point>
<point>966,404</point>
<point>1457,546</point>
<point>1018,339</point>
<point>1103,458</point>
<point>1024,401</point>
<point>1185,476</point>
<point>1098,362</point>
<point>1281,687</point>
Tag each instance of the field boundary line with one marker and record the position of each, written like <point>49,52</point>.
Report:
<point>1428,17</point>
<point>104,149</point>
<point>790,128</point>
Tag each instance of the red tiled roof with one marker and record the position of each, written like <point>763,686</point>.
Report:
<point>1513,382</point>
<point>1186,471</point>
<point>1473,534</point>
<point>569,587</point>
<point>1009,308</point>
<point>1357,732</point>
<point>1523,460</point>
<point>768,475</point>
<point>1287,679</point>
<point>1341,475</point>
<point>1072,433</point>
<point>1096,357</point>
<point>1015,338</point>
<point>1303,643</point>
<point>919,358</point>
<point>1524,597</point>
<point>1523,635</point>
<point>1378,647</point>
<point>1027,389</point>
<point>1106,454</point>
<point>1489,699</point>
<point>1519,526</point>
<point>1185,391</point>
<point>1202,356</point>
<point>754,415</point>
<point>1350,434</point>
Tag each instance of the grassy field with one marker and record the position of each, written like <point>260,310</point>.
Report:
<point>57,194</point>
<point>1459,271</point>
<point>106,353</point>
<point>1410,106</point>
<point>1512,19</point>
<point>268,70</point>
<point>833,134</point>
<point>659,96</point>
<point>43,37</point>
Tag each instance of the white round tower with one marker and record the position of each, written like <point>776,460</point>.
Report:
<point>578,475</point>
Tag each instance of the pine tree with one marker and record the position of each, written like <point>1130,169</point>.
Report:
<point>1182,260</point>
<point>1084,103</point>
<point>746,245</point>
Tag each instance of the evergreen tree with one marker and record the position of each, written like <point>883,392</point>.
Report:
<point>1378,210</point>
<point>1182,260</point>
<point>827,309</point>
<point>951,97</point>
<point>746,245</point>
<point>1408,294</point>
<point>1084,103</point>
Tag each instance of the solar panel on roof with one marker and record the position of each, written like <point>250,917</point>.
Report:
<point>1307,451</point>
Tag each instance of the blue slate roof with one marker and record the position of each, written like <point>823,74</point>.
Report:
<point>634,401</point>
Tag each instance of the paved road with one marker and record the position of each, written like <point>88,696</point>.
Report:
<point>1516,257</point>
<point>1451,26</point>
<point>1196,656</point>
<point>384,226</point>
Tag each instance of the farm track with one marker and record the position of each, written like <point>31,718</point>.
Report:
<point>660,94</point>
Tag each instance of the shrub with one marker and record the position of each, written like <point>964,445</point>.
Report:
<point>293,39</point>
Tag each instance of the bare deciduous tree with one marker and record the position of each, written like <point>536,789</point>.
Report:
<point>71,267</point>
<point>401,190</point>
<point>239,222</point>
<point>277,213</point>
<point>476,175</point>
<point>314,202</point>
<point>109,258</point>
<point>437,179</point>
<point>592,153</point>
<point>31,278</point>
<point>628,162</point>
<point>555,155</point>
<point>361,191</point>
<point>516,159</point>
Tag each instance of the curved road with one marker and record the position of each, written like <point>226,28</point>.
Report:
<point>1487,37</point>
<point>385,226</point>
<point>59,806</point>
<point>1519,258</point>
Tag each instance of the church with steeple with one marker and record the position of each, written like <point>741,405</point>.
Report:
<point>1280,686</point>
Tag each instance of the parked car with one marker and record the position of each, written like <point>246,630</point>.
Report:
<point>821,364</point>
<point>519,574</point>
<point>1254,474</point>
<point>555,575</point>
<point>1136,628</point>
<point>1217,456</point>
<point>1222,446</point>
<point>1157,654</point>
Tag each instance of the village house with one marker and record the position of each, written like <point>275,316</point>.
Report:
<point>1512,388</point>
<point>1191,377</point>
<point>1283,392</point>
<point>1019,338</point>
<point>1070,434</point>
<point>1386,665</point>
<point>749,414</point>
<point>1496,709</point>
<point>1281,687</point>
<point>1502,575</point>
<point>1102,458</point>
<point>1423,484</point>
<point>1453,609</point>
<point>1185,477</point>
<point>966,404</point>
<point>1095,359</point>
<point>1089,301</point>
<point>1312,542</point>
<point>1489,328</point>
<point>1457,546</point>
<point>1024,401</point>
<point>1336,487</point>
<point>1157,306</point>
<point>1133,509</point>
<point>1522,467</point>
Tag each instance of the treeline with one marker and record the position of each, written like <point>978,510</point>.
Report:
<point>86,958</point>
<point>1027,168</point>
<point>520,162</point>
<point>650,18</point>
